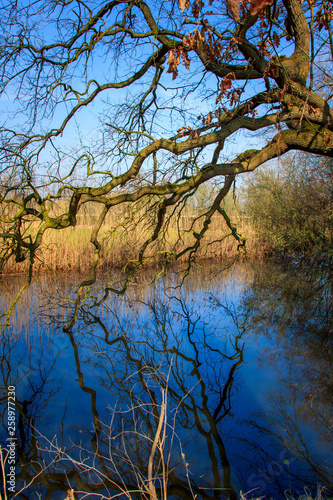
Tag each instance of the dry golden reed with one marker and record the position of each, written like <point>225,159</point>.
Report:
<point>123,234</point>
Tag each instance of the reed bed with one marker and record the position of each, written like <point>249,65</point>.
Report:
<point>124,232</point>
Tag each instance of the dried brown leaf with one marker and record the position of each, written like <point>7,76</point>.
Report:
<point>233,9</point>
<point>209,118</point>
<point>257,5</point>
<point>173,62</point>
<point>184,4</point>
<point>194,134</point>
<point>276,39</point>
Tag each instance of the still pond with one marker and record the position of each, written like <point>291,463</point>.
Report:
<point>217,389</point>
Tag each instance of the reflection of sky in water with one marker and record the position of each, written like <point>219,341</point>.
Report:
<point>190,339</point>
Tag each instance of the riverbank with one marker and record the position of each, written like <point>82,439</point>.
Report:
<point>70,249</point>
<point>126,231</point>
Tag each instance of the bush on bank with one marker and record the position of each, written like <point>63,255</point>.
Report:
<point>292,206</point>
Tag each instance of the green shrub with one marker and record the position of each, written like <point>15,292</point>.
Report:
<point>291,205</point>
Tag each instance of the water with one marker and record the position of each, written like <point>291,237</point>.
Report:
<point>220,387</point>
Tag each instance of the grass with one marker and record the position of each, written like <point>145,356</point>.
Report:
<point>123,234</point>
<point>320,495</point>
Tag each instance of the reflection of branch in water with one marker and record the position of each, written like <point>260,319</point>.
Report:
<point>8,314</point>
<point>128,358</point>
<point>294,310</point>
<point>136,449</point>
<point>273,464</point>
<point>281,428</point>
<point>29,407</point>
<point>166,344</point>
<point>294,300</point>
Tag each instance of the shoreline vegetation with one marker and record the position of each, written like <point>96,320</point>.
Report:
<point>284,211</point>
<point>123,235</point>
<point>71,250</point>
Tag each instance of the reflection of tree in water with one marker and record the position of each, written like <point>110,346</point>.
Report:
<point>136,359</point>
<point>34,375</point>
<point>292,305</point>
<point>295,298</point>
<point>166,358</point>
